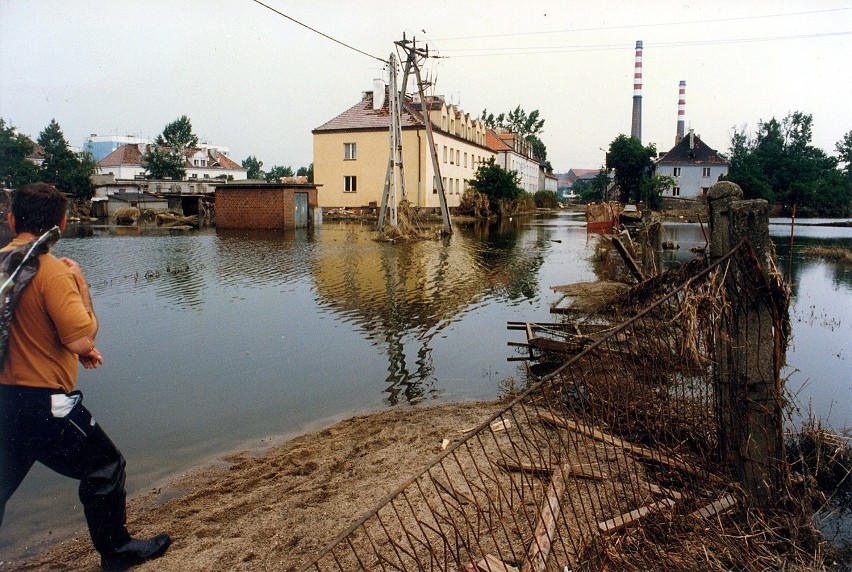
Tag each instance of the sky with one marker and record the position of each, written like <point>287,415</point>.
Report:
<point>258,81</point>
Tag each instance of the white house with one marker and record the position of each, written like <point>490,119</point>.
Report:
<point>694,165</point>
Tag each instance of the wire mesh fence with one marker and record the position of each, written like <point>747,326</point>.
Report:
<point>612,460</point>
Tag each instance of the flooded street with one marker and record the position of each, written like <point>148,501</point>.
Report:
<point>215,340</point>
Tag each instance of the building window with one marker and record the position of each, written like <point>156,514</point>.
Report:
<point>675,191</point>
<point>206,175</point>
<point>349,151</point>
<point>705,172</point>
<point>445,153</point>
<point>465,159</point>
<point>452,155</point>
<point>349,184</point>
<point>458,157</point>
<point>434,185</point>
<point>676,171</point>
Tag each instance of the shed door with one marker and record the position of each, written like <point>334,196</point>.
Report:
<point>300,200</point>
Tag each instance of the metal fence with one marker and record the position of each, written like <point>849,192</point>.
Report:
<point>611,461</point>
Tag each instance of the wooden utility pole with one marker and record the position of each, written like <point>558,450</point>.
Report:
<point>396,169</point>
<point>413,58</point>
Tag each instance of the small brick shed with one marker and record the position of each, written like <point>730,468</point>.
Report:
<point>243,204</point>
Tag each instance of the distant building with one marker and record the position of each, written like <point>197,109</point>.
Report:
<point>514,153</point>
<point>351,152</point>
<point>102,145</point>
<point>694,166</point>
<point>547,181</point>
<point>127,162</point>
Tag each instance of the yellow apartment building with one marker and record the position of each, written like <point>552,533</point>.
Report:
<point>351,152</point>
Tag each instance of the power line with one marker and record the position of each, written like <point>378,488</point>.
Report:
<point>344,44</point>
<point>627,26</point>
<point>533,50</point>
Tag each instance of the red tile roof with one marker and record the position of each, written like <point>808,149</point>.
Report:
<point>125,155</point>
<point>496,142</point>
<point>362,116</point>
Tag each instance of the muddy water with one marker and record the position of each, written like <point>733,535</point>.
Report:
<point>213,340</point>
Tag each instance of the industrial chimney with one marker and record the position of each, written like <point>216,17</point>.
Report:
<point>636,125</point>
<point>681,111</point>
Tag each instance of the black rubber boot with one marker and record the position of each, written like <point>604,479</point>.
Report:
<point>135,552</point>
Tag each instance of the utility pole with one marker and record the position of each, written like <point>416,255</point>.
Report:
<point>413,58</point>
<point>396,169</point>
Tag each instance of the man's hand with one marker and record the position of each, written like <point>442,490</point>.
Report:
<point>91,359</point>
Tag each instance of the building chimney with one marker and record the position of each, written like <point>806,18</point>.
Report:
<point>681,111</point>
<point>636,125</point>
<point>378,94</point>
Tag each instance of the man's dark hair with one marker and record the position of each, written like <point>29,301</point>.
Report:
<point>37,208</point>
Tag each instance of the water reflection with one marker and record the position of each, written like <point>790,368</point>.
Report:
<point>403,295</point>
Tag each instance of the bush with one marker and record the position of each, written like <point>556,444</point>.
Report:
<point>546,200</point>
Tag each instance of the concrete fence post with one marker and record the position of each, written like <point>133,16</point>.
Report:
<point>749,390</point>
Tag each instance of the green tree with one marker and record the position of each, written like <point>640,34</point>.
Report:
<point>277,172</point>
<point>178,133</point>
<point>166,158</point>
<point>306,172</point>
<point>631,163</point>
<point>546,200</point>
<point>844,152</point>
<point>653,188</point>
<point>253,167</point>
<point>164,163</point>
<point>528,125</point>
<point>15,169</point>
<point>62,167</point>
<point>496,183</point>
<point>781,165</point>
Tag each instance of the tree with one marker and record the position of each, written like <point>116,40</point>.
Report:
<point>497,184</point>
<point>15,169</point>
<point>166,159</point>
<point>844,152</point>
<point>546,200</point>
<point>306,172</point>
<point>253,167</point>
<point>164,163</point>
<point>62,167</point>
<point>277,172</point>
<point>781,165</point>
<point>632,165</point>
<point>528,126</point>
<point>178,133</point>
<point>653,188</point>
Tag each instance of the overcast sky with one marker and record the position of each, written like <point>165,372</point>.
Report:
<point>255,81</point>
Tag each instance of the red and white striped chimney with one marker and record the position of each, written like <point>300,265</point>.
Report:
<point>681,111</point>
<point>636,125</point>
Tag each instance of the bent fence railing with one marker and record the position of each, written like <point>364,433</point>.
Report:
<point>611,461</point>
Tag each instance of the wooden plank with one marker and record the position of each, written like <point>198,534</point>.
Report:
<point>637,450</point>
<point>714,508</point>
<point>664,492</point>
<point>628,518</point>
<point>585,471</point>
<point>536,558</point>
<point>628,260</point>
<point>493,564</point>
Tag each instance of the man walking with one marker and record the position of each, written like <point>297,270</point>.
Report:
<point>42,417</point>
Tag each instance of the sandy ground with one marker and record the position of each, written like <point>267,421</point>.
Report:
<point>274,509</point>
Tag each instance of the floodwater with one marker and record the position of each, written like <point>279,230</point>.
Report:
<point>215,340</point>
